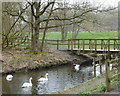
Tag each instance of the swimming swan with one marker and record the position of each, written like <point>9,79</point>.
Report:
<point>9,77</point>
<point>43,79</point>
<point>77,67</point>
<point>27,84</point>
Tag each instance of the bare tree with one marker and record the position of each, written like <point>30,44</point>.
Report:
<point>12,29</point>
<point>46,15</point>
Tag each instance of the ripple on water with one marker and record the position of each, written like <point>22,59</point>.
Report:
<point>59,78</point>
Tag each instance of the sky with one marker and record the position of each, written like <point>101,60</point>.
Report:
<point>105,2</point>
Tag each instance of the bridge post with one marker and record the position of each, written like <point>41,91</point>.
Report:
<point>101,44</point>
<point>57,44</point>
<point>95,45</point>
<point>71,45</point>
<point>68,44</point>
<point>78,44</point>
<point>100,63</point>
<point>108,45</point>
<point>74,43</point>
<point>94,67</point>
<point>108,75</point>
<point>114,44</point>
<point>89,44</point>
<point>83,45</point>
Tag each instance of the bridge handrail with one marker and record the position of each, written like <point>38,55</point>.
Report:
<point>93,39</point>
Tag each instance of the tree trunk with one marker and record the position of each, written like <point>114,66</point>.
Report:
<point>64,34</point>
<point>36,36</point>
<point>36,29</point>
<point>44,33</point>
<point>32,31</point>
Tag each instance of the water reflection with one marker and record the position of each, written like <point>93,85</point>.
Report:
<point>59,78</point>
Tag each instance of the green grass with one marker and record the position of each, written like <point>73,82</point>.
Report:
<point>101,88</point>
<point>82,35</point>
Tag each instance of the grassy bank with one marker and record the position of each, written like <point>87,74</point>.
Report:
<point>101,88</point>
<point>17,60</point>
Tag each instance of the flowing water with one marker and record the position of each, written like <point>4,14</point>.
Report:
<point>59,78</point>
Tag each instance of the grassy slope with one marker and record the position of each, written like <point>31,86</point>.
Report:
<point>101,88</point>
<point>83,35</point>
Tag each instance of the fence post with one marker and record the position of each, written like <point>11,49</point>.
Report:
<point>102,44</point>
<point>94,67</point>
<point>71,45</point>
<point>108,75</point>
<point>95,46</point>
<point>83,45</point>
<point>90,44</point>
<point>100,63</point>
<point>78,44</point>
<point>74,43</point>
<point>57,44</point>
<point>108,46</point>
<point>114,44</point>
<point>68,44</point>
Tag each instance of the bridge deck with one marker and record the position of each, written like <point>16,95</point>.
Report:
<point>93,50</point>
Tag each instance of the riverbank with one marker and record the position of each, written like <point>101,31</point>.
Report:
<point>14,60</point>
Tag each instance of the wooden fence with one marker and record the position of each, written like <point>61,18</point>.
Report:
<point>107,68</point>
<point>94,44</point>
<point>79,44</point>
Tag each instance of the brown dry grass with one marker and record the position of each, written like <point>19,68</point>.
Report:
<point>24,59</point>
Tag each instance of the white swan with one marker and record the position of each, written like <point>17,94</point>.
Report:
<point>27,84</point>
<point>9,77</point>
<point>43,79</point>
<point>77,67</point>
<point>97,73</point>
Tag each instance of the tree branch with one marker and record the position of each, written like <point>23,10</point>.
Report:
<point>44,9</point>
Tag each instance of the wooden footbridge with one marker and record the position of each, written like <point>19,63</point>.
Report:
<point>86,45</point>
<point>105,46</point>
<point>82,45</point>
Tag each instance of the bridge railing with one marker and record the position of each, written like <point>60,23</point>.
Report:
<point>79,44</point>
<point>94,44</point>
<point>107,69</point>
